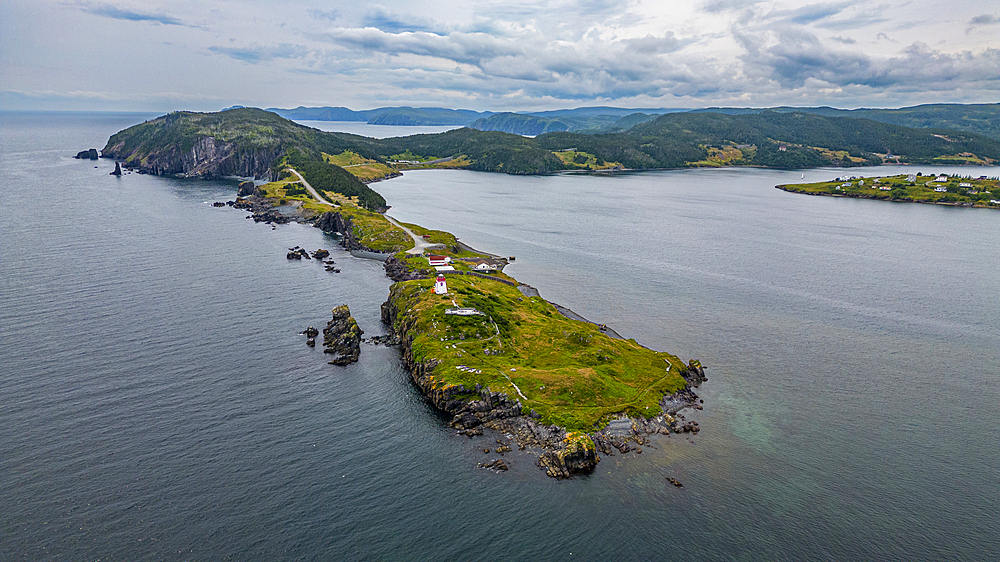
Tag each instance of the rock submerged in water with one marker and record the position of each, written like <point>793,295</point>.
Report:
<point>342,337</point>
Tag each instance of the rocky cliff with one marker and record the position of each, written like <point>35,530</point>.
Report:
<point>207,158</point>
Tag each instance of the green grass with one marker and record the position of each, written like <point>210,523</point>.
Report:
<point>365,169</point>
<point>370,228</point>
<point>577,159</point>
<point>570,373</point>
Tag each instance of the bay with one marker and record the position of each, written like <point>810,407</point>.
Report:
<point>158,403</point>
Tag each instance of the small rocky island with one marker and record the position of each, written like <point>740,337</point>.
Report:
<point>342,337</point>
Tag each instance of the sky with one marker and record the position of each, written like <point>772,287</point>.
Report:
<point>495,55</point>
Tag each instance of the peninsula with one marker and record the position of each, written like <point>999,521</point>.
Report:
<point>486,349</point>
<point>940,189</point>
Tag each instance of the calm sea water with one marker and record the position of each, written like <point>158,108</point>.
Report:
<point>157,401</point>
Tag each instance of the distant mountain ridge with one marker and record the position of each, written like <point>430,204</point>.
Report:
<point>983,119</point>
<point>411,116</point>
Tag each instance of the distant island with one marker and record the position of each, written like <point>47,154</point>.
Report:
<point>251,142</point>
<point>941,189</point>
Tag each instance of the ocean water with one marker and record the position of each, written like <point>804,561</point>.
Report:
<point>157,402</point>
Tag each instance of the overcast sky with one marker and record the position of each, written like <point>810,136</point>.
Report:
<point>496,55</point>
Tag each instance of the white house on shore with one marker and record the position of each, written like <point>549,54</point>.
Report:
<point>436,261</point>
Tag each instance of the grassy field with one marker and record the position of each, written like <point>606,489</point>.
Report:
<point>568,371</point>
<point>727,155</point>
<point>584,160</point>
<point>922,189</point>
<point>365,169</point>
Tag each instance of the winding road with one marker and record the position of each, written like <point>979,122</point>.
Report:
<point>312,191</point>
<point>419,244</point>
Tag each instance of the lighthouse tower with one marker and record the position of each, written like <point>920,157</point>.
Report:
<point>440,287</point>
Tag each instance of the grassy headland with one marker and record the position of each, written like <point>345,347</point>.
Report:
<point>569,372</point>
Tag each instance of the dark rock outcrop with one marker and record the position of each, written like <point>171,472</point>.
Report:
<point>87,154</point>
<point>247,188</point>
<point>118,169</point>
<point>342,337</point>
<point>397,270</point>
<point>335,222</point>
<point>262,208</point>
<point>695,373</point>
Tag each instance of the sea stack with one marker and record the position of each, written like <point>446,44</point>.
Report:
<point>118,169</point>
<point>342,337</point>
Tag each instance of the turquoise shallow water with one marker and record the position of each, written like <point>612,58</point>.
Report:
<point>158,403</point>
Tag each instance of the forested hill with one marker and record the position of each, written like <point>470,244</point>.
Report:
<point>236,142</point>
<point>253,142</point>
<point>773,139</point>
<point>983,118</point>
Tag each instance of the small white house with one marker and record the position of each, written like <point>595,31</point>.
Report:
<point>438,260</point>
<point>941,178</point>
<point>484,266</point>
<point>965,185</point>
<point>941,189</point>
<point>911,178</point>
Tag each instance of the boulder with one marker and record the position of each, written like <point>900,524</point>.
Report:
<point>246,189</point>
<point>87,154</point>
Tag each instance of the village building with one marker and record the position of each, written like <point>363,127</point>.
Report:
<point>436,261</point>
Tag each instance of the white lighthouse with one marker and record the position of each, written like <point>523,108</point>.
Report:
<point>440,286</point>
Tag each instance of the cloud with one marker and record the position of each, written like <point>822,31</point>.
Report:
<point>985,19</point>
<point>813,13</point>
<point>118,13</point>
<point>844,40</point>
<point>982,20</point>
<point>381,18</point>
<point>791,58</point>
<point>255,54</point>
